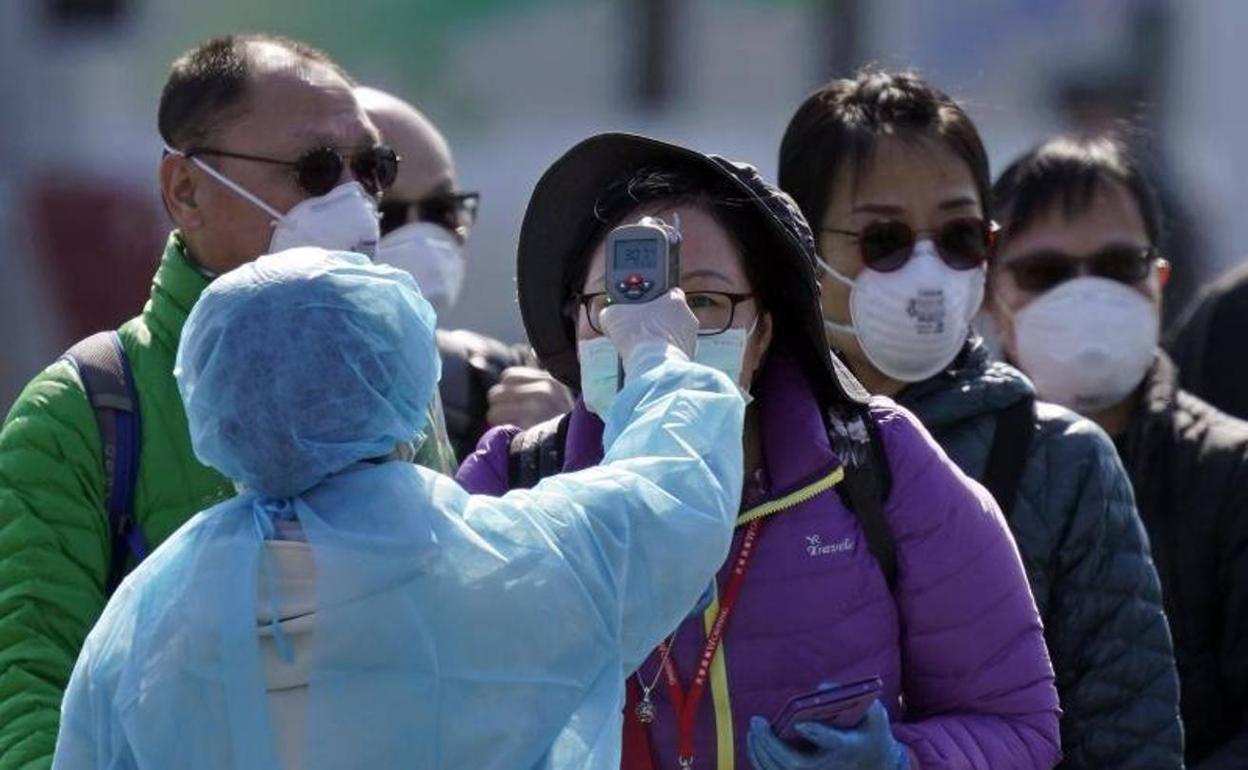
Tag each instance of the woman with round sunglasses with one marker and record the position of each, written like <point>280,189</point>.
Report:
<point>1076,291</point>
<point>894,177</point>
<point>810,597</point>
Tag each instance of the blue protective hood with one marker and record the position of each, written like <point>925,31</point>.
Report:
<point>449,631</point>
<point>301,363</point>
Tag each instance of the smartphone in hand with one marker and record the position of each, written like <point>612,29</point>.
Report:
<point>843,706</point>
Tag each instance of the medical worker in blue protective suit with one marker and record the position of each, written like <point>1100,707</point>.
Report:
<point>351,610</point>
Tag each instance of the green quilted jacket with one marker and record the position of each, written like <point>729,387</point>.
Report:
<point>54,538</point>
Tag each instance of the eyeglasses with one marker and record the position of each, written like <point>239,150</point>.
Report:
<point>456,211</point>
<point>714,310</point>
<point>1040,271</point>
<point>887,245</point>
<point>318,170</point>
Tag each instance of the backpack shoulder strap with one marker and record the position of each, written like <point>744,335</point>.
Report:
<point>537,453</point>
<point>868,482</point>
<point>104,370</point>
<point>1007,457</point>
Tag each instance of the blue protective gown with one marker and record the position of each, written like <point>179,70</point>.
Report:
<point>451,631</point>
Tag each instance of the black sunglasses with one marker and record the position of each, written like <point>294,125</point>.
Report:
<point>456,211</point>
<point>1039,271</point>
<point>715,310</point>
<point>887,245</point>
<point>319,169</point>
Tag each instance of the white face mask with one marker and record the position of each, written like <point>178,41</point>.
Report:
<point>343,219</point>
<point>599,362</point>
<point>911,323</point>
<point>434,257</point>
<point>1087,343</point>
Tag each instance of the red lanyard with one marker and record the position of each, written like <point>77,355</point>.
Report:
<point>685,703</point>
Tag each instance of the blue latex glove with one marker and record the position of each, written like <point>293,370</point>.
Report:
<point>869,746</point>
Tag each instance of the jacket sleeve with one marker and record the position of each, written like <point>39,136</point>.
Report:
<point>976,680</point>
<point>53,557</point>
<point>1106,627</point>
<point>484,472</point>
<point>642,534</point>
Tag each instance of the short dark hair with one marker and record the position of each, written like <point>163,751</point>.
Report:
<point>678,187</point>
<point>1068,171</point>
<point>842,122</point>
<point>207,85</point>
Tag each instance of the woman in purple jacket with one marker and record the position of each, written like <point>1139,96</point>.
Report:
<point>927,594</point>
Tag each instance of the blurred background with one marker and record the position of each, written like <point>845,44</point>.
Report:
<point>513,83</point>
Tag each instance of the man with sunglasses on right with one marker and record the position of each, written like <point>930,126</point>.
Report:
<point>1076,292</point>
<point>425,222</point>
<point>265,148</point>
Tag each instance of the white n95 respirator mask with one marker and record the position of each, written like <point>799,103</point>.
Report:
<point>343,219</point>
<point>1088,342</point>
<point>432,255</point>
<point>912,322</point>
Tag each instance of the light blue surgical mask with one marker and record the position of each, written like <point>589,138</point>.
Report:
<point>600,364</point>
<point>726,352</point>
<point>600,374</point>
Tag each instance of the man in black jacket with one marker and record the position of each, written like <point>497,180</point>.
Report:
<point>1076,293</point>
<point>425,221</point>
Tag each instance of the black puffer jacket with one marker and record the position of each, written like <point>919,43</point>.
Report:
<point>1189,465</point>
<point>1086,557</point>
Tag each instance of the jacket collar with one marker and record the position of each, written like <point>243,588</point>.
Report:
<point>794,430</point>
<point>1154,415</point>
<point>584,447</point>
<point>175,290</point>
<point>1160,385</point>
<point>1157,392</point>
<point>973,385</point>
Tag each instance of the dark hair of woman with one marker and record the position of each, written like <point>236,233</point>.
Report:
<point>842,122</point>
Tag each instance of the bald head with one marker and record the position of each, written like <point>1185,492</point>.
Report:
<point>427,167</point>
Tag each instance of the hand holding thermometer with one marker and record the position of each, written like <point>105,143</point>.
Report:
<point>643,263</point>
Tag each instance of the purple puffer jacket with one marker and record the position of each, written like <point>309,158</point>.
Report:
<point>967,679</point>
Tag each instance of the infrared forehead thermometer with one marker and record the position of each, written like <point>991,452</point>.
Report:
<point>643,260</point>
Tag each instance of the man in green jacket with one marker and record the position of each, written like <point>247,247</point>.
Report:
<point>266,148</point>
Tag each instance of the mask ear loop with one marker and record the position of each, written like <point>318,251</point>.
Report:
<point>832,271</point>
<point>839,277</point>
<point>230,184</point>
<point>749,334</point>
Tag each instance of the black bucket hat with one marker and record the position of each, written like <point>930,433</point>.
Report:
<point>561,225</point>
